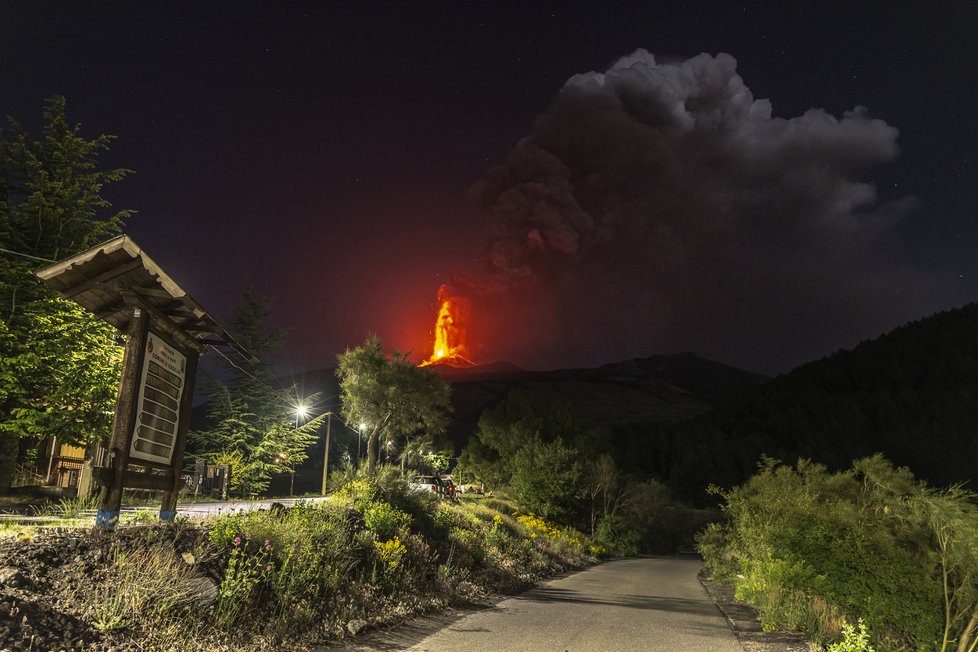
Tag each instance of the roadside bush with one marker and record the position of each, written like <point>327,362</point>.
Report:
<point>391,553</point>
<point>386,485</point>
<point>714,543</point>
<point>853,640</point>
<point>566,541</point>
<point>617,536</point>
<point>288,565</point>
<point>359,492</point>
<point>384,520</point>
<point>808,547</point>
<point>247,569</point>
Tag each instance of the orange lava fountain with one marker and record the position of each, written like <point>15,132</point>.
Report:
<point>450,331</point>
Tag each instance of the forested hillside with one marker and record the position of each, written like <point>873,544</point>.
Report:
<point>656,389</point>
<point>911,394</point>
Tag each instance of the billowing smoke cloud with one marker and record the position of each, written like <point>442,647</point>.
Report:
<point>660,207</point>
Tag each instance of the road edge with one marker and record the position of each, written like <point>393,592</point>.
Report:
<point>742,619</point>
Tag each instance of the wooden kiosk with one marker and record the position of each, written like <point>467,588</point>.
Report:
<point>166,332</point>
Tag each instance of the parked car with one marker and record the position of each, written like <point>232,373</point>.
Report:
<point>451,490</point>
<point>429,483</point>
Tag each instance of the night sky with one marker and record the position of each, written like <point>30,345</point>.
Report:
<point>806,183</point>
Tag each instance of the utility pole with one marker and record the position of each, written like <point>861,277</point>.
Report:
<point>329,422</point>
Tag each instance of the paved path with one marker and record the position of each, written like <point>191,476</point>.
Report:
<point>653,603</point>
<point>231,506</point>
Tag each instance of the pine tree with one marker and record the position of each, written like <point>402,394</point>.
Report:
<point>255,428</point>
<point>59,367</point>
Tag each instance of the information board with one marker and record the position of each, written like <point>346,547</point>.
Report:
<point>158,407</point>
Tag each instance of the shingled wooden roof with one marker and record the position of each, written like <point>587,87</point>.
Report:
<point>110,278</point>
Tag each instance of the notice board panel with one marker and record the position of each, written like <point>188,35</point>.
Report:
<point>158,404</point>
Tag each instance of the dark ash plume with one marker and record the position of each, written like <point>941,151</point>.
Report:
<point>660,207</point>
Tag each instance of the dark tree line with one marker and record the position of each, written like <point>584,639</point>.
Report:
<point>911,394</point>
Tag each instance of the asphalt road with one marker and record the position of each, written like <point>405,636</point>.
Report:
<point>231,506</point>
<point>654,604</point>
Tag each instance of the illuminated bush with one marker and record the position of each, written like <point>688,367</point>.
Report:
<point>807,547</point>
<point>391,553</point>
<point>384,520</point>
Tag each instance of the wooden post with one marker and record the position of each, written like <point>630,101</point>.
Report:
<point>124,419</point>
<point>168,509</point>
<point>329,422</point>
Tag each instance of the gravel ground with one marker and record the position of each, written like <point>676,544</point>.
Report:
<point>39,582</point>
<point>35,578</point>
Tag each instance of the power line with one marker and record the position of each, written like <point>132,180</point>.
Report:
<point>17,253</point>
<point>241,369</point>
<point>272,389</point>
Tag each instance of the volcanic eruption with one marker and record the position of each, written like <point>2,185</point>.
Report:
<point>451,334</point>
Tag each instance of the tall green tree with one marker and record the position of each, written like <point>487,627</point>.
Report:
<point>391,396</point>
<point>58,366</point>
<point>549,479</point>
<point>255,426</point>
<point>520,419</point>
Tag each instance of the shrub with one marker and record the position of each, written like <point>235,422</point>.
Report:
<point>853,641</point>
<point>714,545</point>
<point>358,491</point>
<point>384,520</point>
<point>247,568</point>
<point>616,536</point>
<point>445,518</point>
<point>391,553</point>
<point>563,539</point>
<point>809,545</point>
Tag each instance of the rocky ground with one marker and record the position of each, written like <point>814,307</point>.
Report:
<point>36,579</point>
<point>41,579</point>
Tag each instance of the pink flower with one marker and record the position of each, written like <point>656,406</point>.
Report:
<point>237,541</point>
<point>268,544</point>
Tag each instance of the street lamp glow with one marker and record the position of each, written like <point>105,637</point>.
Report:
<point>301,411</point>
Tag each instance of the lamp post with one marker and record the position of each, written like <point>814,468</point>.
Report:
<point>329,422</point>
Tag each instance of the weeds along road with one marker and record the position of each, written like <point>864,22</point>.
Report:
<point>652,604</point>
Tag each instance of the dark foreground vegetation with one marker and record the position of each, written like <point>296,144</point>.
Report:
<point>564,471</point>
<point>374,554</point>
<point>813,550</point>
